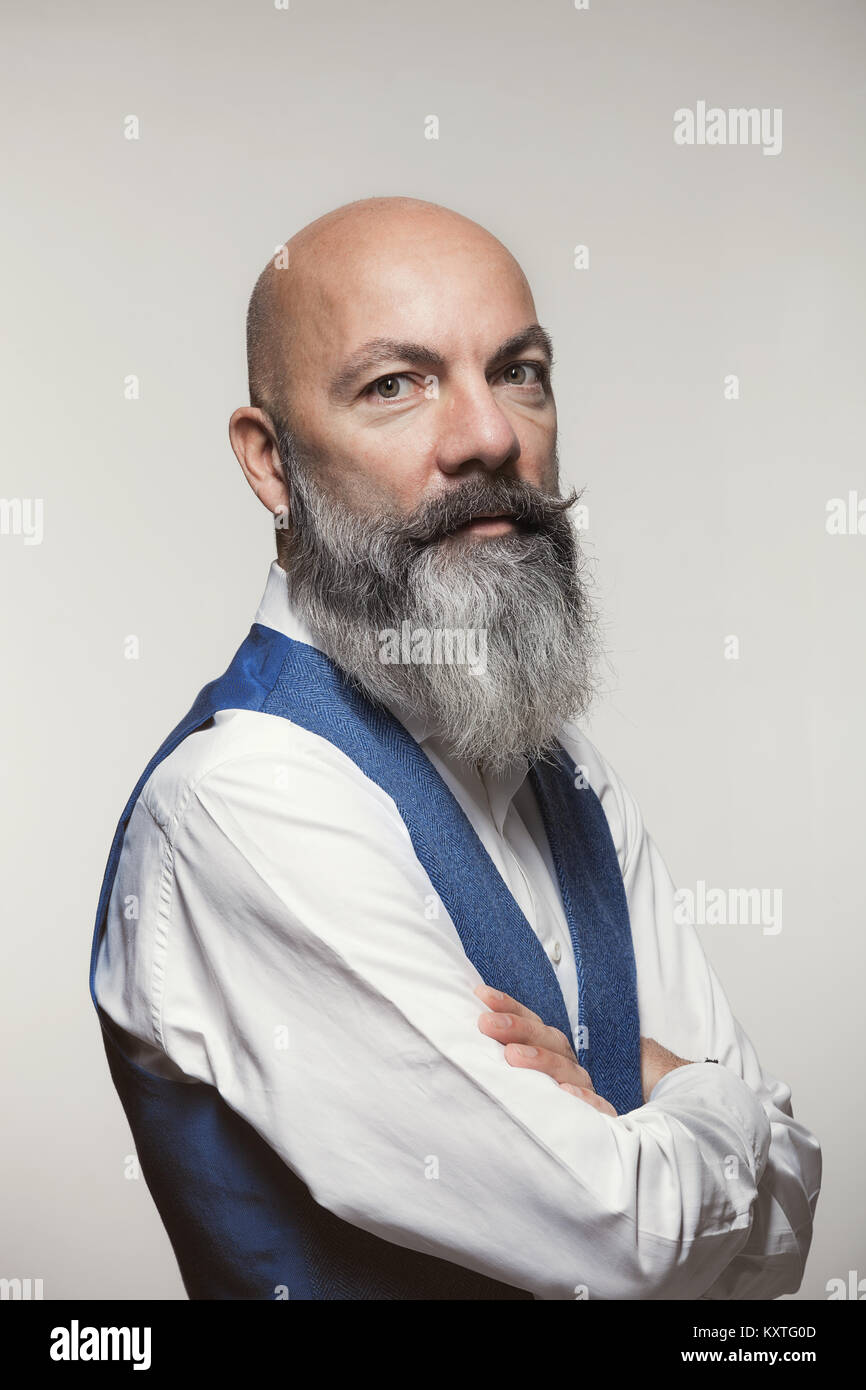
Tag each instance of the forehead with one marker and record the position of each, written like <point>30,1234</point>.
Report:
<point>453,288</point>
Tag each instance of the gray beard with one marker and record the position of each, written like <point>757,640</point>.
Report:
<point>491,641</point>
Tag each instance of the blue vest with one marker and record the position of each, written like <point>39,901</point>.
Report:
<point>242,1224</point>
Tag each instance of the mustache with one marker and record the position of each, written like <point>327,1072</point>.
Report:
<point>529,507</point>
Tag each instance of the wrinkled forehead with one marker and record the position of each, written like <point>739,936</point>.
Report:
<point>454,289</point>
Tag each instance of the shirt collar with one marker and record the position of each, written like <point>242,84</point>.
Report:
<point>276,611</point>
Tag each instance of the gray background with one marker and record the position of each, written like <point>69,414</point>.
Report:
<point>707,516</point>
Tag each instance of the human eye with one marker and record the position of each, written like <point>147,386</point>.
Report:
<point>529,375</point>
<point>388,389</point>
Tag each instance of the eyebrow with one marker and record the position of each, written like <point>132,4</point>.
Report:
<point>379,352</point>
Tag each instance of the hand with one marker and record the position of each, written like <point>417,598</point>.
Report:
<point>655,1062</point>
<point>518,1029</point>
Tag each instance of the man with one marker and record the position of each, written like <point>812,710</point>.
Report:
<point>384,817</point>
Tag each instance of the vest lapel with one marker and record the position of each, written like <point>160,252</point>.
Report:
<point>590,881</point>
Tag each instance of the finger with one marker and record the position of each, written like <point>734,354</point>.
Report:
<point>596,1101</point>
<point>511,1028</point>
<point>590,1097</point>
<point>500,1002</point>
<point>511,1021</point>
<point>553,1064</point>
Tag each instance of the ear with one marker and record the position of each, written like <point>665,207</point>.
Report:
<point>255,445</point>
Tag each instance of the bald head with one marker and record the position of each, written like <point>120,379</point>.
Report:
<point>299,290</point>
<point>394,348</point>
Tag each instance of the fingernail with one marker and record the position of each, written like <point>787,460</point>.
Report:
<point>500,1020</point>
<point>523,1051</point>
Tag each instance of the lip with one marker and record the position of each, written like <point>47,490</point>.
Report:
<point>496,524</point>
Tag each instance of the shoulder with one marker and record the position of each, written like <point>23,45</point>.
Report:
<point>249,756</point>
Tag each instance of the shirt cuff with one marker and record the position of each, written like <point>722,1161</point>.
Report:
<point>708,1088</point>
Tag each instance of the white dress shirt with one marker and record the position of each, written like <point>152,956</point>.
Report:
<point>272,933</point>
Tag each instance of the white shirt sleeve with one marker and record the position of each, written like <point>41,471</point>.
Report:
<point>293,954</point>
<point>683,1006</point>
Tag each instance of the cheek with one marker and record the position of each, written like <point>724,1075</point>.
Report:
<point>538,471</point>
<point>377,484</point>
<point>396,477</point>
<point>537,463</point>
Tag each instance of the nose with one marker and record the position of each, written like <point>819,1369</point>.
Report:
<point>474,431</point>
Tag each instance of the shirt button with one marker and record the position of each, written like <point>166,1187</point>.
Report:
<point>556,953</point>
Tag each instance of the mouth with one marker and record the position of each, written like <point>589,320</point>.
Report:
<point>493,524</point>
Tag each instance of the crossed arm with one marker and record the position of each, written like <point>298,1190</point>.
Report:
<point>530,1043</point>
<point>298,910</point>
